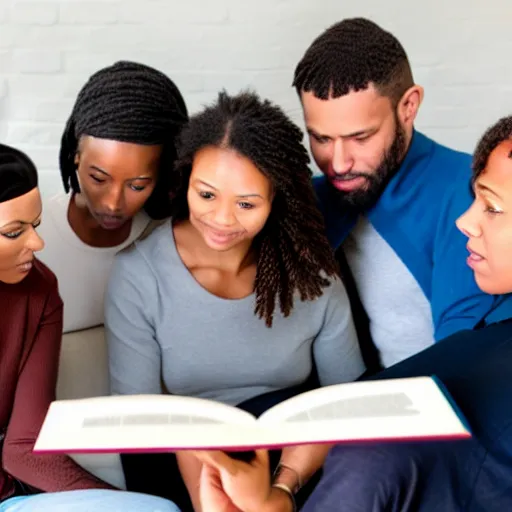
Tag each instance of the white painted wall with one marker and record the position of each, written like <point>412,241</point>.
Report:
<point>460,51</point>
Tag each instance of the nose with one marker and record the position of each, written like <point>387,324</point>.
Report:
<point>34,242</point>
<point>113,200</point>
<point>468,223</point>
<point>341,161</point>
<point>223,214</point>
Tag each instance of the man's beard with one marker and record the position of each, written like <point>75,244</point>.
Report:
<point>364,198</point>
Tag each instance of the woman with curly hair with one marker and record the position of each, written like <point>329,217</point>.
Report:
<point>238,295</point>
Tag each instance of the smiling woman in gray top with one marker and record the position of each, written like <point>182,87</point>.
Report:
<point>238,295</point>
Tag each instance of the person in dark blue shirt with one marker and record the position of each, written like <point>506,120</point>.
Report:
<point>474,365</point>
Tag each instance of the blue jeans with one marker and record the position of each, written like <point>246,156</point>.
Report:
<point>87,501</point>
<point>461,476</point>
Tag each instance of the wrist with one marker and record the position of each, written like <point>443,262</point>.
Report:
<point>280,500</point>
<point>288,476</point>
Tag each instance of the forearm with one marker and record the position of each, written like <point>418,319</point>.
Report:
<point>298,465</point>
<point>190,469</point>
<point>303,460</point>
<point>49,473</point>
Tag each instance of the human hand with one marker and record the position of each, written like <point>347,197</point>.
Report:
<point>212,496</point>
<point>230,485</point>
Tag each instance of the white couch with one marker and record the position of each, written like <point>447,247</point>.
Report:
<point>83,373</point>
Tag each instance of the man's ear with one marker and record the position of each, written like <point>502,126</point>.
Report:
<point>409,105</point>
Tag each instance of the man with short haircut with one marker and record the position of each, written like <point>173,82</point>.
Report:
<point>390,195</point>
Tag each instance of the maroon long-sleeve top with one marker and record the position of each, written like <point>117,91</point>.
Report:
<point>30,338</point>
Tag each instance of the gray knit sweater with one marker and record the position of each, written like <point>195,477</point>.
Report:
<point>165,331</point>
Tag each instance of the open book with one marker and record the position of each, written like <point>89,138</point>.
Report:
<point>398,409</point>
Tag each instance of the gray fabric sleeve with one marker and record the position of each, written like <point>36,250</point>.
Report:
<point>133,350</point>
<point>336,348</point>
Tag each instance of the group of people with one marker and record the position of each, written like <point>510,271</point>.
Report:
<point>222,269</point>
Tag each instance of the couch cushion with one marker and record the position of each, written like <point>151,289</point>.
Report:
<point>83,373</point>
<point>83,370</point>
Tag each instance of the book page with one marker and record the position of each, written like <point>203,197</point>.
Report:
<point>398,408</point>
<point>139,421</point>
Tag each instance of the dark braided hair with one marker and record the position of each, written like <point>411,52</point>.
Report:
<point>127,102</point>
<point>351,55</point>
<point>294,254</point>
<point>492,138</point>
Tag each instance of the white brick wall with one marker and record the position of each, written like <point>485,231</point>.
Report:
<point>460,51</point>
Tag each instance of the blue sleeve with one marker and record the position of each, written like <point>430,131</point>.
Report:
<point>457,302</point>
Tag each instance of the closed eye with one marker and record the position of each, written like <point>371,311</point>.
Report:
<point>492,211</point>
<point>320,139</point>
<point>137,188</point>
<point>13,234</point>
<point>96,179</point>
<point>18,232</point>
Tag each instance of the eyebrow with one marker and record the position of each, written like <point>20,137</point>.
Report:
<point>484,188</point>
<point>99,169</point>
<point>22,222</point>
<point>239,195</point>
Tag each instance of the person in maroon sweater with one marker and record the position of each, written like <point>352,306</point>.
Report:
<point>30,337</point>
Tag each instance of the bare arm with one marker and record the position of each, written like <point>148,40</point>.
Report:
<point>190,469</point>
<point>300,463</point>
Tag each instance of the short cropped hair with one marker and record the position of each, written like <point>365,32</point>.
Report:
<point>351,55</point>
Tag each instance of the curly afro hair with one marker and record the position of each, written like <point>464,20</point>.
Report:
<point>492,138</point>
<point>293,253</point>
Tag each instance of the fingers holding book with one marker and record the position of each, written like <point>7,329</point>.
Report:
<point>224,479</point>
